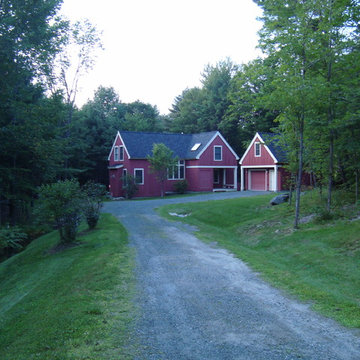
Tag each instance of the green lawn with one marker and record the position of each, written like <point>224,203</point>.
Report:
<point>318,263</point>
<point>73,304</point>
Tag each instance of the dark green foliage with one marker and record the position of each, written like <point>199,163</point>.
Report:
<point>161,160</point>
<point>61,203</point>
<point>129,186</point>
<point>181,186</point>
<point>93,195</point>
<point>202,109</point>
<point>11,240</point>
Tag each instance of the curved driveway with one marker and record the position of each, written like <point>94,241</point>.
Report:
<point>199,302</point>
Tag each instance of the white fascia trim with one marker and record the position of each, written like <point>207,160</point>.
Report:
<point>211,167</point>
<point>211,140</point>
<point>229,147</point>
<point>123,144</point>
<point>259,166</point>
<point>252,143</point>
<point>112,148</point>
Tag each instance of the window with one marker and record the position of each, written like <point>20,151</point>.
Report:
<point>139,176</point>
<point>124,177</point>
<point>116,153</point>
<point>121,153</point>
<point>177,172</point>
<point>217,153</point>
<point>257,149</point>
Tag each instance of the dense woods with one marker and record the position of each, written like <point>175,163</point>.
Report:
<point>305,87</point>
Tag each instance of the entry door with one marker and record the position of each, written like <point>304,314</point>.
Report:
<point>272,180</point>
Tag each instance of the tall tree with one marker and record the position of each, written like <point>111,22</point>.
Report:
<point>30,37</point>
<point>202,109</point>
<point>287,35</point>
<point>248,111</point>
<point>309,39</point>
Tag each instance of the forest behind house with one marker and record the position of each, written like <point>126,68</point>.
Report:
<point>305,87</point>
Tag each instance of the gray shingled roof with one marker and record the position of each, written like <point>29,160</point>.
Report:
<point>272,142</point>
<point>140,144</point>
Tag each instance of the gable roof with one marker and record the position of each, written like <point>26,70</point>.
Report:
<point>272,145</point>
<point>139,145</point>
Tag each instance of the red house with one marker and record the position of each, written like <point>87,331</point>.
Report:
<point>262,165</point>
<point>206,161</point>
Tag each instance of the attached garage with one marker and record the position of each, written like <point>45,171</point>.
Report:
<point>257,180</point>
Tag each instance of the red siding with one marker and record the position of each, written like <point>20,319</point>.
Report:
<point>207,157</point>
<point>199,178</point>
<point>264,159</point>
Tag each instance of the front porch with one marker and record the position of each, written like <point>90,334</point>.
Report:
<point>225,179</point>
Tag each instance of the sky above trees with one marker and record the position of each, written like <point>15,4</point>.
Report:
<point>153,50</point>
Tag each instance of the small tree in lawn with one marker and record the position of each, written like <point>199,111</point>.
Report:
<point>161,160</point>
<point>93,194</point>
<point>62,204</point>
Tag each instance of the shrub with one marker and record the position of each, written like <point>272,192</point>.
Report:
<point>62,203</point>
<point>181,186</point>
<point>93,194</point>
<point>129,186</point>
<point>11,240</point>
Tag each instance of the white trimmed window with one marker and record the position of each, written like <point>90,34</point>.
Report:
<point>218,153</point>
<point>139,176</point>
<point>177,172</point>
<point>121,153</point>
<point>124,177</point>
<point>116,153</point>
<point>257,149</point>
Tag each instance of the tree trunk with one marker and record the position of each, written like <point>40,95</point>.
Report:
<point>331,171</point>
<point>291,189</point>
<point>299,177</point>
<point>356,186</point>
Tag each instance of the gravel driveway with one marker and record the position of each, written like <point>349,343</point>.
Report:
<point>199,302</point>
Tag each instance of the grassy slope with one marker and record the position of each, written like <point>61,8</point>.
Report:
<point>318,263</point>
<point>74,304</point>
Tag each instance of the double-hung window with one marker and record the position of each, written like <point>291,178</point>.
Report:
<point>139,176</point>
<point>218,153</point>
<point>116,153</point>
<point>257,149</point>
<point>121,153</point>
<point>177,172</point>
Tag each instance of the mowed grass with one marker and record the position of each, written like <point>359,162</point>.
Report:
<point>73,304</point>
<point>319,263</point>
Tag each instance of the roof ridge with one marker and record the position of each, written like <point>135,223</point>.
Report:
<point>165,133</point>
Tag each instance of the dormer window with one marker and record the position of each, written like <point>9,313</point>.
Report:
<point>121,153</point>
<point>218,153</point>
<point>257,149</point>
<point>116,153</point>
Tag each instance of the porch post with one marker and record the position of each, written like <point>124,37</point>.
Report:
<point>224,177</point>
<point>235,178</point>
<point>242,178</point>
<point>276,178</point>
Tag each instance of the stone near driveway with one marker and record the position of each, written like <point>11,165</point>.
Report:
<point>279,199</point>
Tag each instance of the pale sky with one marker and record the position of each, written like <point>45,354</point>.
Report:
<point>154,49</point>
